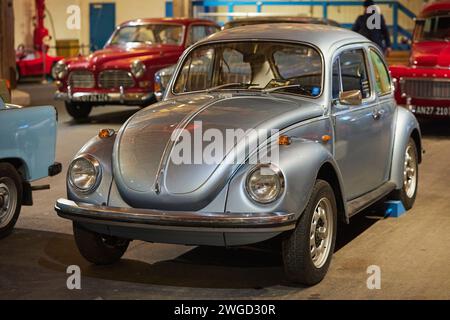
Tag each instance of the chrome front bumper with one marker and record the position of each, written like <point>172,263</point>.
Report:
<point>177,227</point>
<point>107,98</point>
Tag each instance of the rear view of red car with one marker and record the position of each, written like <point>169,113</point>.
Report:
<point>123,72</point>
<point>424,85</point>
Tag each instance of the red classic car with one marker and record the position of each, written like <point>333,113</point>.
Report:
<point>123,72</point>
<point>30,63</point>
<point>424,85</point>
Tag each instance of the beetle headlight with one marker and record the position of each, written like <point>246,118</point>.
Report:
<point>61,69</point>
<point>138,69</point>
<point>84,173</point>
<point>265,183</point>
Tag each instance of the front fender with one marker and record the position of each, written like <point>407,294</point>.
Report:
<point>406,126</point>
<point>101,149</point>
<point>300,163</point>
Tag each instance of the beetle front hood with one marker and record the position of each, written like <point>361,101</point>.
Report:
<point>144,171</point>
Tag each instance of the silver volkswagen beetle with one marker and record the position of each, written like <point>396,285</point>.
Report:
<point>267,131</point>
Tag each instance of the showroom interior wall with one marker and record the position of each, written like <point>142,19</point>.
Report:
<point>125,10</point>
<point>132,9</point>
<point>344,14</point>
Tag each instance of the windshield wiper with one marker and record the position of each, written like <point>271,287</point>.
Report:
<point>298,86</point>
<point>233,84</point>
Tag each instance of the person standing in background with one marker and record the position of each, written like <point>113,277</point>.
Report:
<point>373,27</point>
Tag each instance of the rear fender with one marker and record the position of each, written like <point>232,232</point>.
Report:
<point>406,126</point>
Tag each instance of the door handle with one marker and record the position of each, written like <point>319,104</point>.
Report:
<point>377,114</point>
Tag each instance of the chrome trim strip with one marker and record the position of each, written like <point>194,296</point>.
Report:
<point>112,96</point>
<point>73,210</point>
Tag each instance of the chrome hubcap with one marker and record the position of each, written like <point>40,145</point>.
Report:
<point>8,200</point>
<point>409,173</point>
<point>321,232</point>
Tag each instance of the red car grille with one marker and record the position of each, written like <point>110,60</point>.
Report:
<point>114,79</point>
<point>422,88</point>
<point>81,79</point>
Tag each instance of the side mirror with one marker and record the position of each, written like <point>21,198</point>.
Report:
<point>351,98</point>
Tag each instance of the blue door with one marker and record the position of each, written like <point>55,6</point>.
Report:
<point>102,21</point>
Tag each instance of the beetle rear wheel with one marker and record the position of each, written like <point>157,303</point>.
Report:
<point>307,251</point>
<point>407,194</point>
<point>10,198</point>
<point>97,248</point>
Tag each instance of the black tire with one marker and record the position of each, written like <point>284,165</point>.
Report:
<point>10,186</point>
<point>298,262</point>
<point>99,249</point>
<point>403,195</point>
<point>18,77</point>
<point>78,111</point>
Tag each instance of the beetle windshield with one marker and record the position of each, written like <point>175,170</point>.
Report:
<point>149,34</point>
<point>295,68</point>
<point>433,28</point>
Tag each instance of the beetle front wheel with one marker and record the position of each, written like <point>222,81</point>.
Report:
<point>307,251</point>
<point>97,248</point>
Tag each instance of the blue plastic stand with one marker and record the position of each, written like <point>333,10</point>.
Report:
<point>394,209</point>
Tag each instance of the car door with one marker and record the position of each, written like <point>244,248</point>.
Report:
<point>357,127</point>
<point>385,112</point>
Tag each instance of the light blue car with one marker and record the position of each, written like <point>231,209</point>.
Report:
<point>27,154</point>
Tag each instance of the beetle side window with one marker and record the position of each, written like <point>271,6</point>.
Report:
<point>336,85</point>
<point>354,72</point>
<point>382,79</point>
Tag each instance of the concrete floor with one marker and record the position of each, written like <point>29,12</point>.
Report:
<point>412,251</point>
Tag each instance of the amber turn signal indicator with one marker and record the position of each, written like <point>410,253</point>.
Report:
<point>326,138</point>
<point>284,140</point>
<point>106,133</point>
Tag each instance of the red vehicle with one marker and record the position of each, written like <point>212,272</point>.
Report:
<point>30,63</point>
<point>123,72</point>
<point>424,85</point>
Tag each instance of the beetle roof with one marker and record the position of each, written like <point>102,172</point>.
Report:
<point>322,36</point>
<point>184,21</point>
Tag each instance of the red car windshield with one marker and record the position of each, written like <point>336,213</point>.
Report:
<point>149,34</point>
<point>433,28</point>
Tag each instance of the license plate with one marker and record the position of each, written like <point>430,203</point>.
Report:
<point>95,98</point>
<point>433,111</point>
